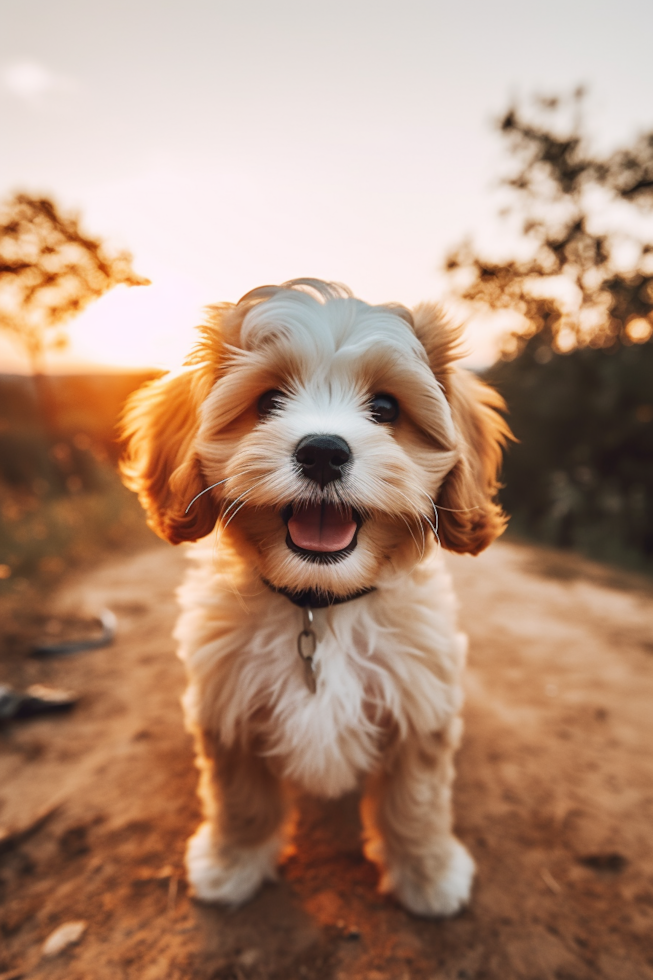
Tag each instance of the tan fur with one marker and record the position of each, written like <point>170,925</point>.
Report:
<point>401,825</point>
<point>470,517</point>
<point>159,425</point>
<point>389,664</point>
<point>244,800</point>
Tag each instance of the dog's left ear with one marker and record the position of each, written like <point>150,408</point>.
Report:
<point>159,426</point>
<point>469,516</point>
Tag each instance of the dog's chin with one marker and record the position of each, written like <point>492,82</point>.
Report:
<point>315,533</point>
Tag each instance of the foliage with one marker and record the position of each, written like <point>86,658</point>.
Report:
<point>50,270</point>
<point>577,373</point>
<point>581,475</point>
<point>62,503</point>
<point>588,276</point>
<point>44,535</point>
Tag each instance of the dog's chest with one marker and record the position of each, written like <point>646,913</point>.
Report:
<point>324,735</point>
<point>369,681</point>
<point>385,661</point>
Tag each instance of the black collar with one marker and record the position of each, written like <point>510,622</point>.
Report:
<point>317,598</point>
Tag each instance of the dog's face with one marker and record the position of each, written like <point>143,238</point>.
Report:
<point>335,437</point>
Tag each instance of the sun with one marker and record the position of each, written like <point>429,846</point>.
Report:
<point>137,327</point>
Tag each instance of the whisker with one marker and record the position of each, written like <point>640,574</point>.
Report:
<point>220,527</point>
<point>437,519</point>
<point>244,493</point>
<point>233,515</point>
<point>452,510</point>
<point>434,529</point>
<point>423,546</point>
<point>202,492</point>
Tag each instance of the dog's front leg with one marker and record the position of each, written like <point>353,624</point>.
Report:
<point>407,818</point>
<point>236,849</point>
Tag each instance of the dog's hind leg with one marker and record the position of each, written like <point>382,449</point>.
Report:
<point>237,847</point>
<point>407,818</point>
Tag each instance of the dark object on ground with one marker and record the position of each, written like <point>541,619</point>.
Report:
<point>36,700</point>
<point>106,638</point>
<point>610,863</point>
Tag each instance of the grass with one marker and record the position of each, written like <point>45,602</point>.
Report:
<point>43,536</point>
<point>62,504</point>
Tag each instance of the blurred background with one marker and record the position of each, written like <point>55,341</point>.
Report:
<point>157,157</point>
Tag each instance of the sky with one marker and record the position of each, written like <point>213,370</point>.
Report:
<point>231,144</point>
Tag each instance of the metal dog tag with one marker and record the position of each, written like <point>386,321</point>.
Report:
<point>306,647</point>
<point>309,675</point>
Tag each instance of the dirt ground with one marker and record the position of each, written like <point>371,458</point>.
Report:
<point>554,798</point>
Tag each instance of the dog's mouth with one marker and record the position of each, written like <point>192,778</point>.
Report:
<point>321,532</point>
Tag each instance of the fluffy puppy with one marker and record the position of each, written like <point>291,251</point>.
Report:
<point>333,446</point>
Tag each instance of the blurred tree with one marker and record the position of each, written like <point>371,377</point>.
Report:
<point>60,499</point>
<point>50,271</point>
<point>577,371</point>
<point>587,278</point>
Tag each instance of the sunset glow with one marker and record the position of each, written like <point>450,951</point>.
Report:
<point>253,143</point>
<point>149,326</point>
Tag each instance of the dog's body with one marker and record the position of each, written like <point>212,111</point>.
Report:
<point>327,439</point>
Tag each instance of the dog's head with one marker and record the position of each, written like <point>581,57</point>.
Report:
<point>334,435</point>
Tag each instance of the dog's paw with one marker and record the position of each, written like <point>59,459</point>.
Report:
<point>444,895</point>
<point>230,876</point>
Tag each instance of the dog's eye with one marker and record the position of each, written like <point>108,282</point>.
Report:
<point>384,408</point>
<point>271,401</point>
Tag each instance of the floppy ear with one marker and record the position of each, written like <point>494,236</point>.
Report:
<point>159,426</point>
<point>473,518</point>
<point>469,516</point>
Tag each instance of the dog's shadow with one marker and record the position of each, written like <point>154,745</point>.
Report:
<point>314,916</point>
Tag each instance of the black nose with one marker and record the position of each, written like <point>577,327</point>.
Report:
<point>322,458</point>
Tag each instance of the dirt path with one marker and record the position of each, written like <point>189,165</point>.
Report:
<point>554,798</point>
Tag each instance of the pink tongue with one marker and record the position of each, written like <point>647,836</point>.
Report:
<point>321,527</point>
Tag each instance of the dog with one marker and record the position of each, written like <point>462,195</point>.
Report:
<point>334,448</point>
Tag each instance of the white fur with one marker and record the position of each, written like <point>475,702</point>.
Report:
<point>443,893</point>
<point>399,642</point>
<point>231,878</point>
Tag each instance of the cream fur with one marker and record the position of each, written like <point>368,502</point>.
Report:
<point>230,876</point>
<point>386,710</point>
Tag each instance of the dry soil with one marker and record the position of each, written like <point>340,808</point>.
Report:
<point>554,798</point>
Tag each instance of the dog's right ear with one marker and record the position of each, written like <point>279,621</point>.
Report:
<point>158,426</point>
